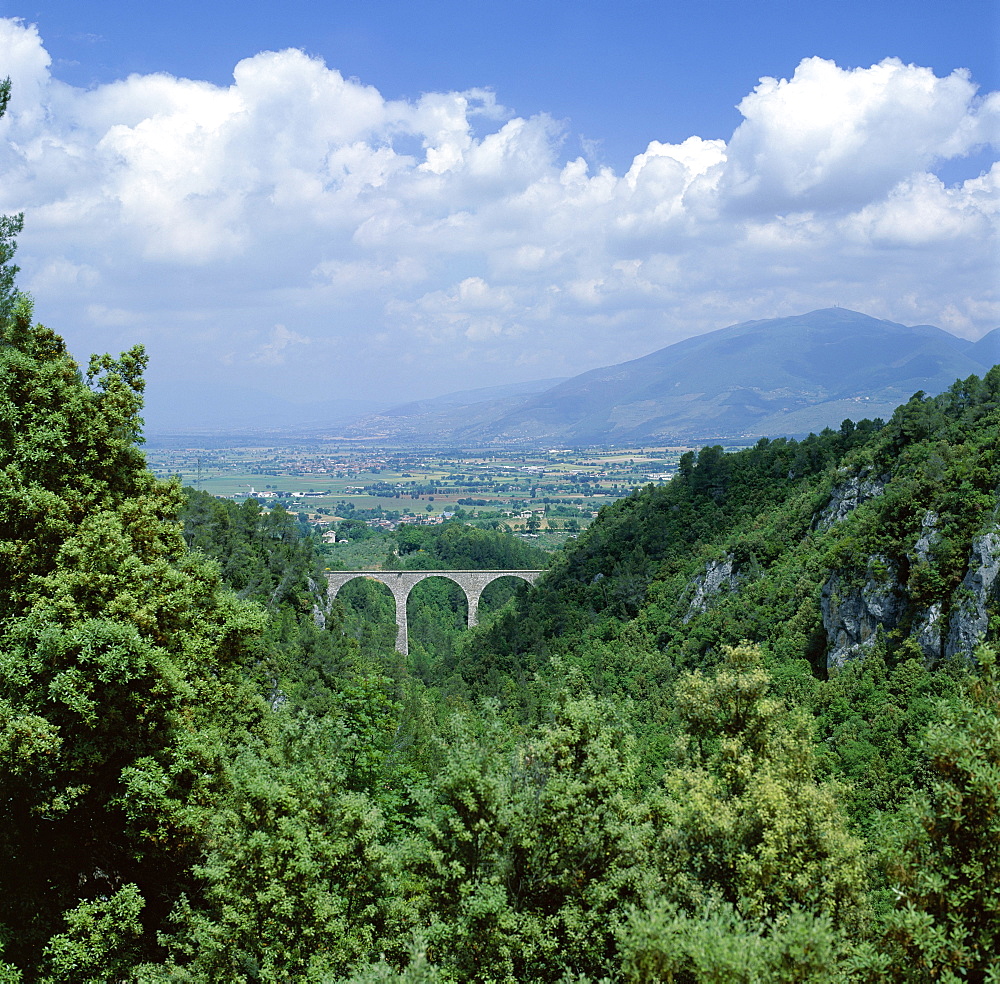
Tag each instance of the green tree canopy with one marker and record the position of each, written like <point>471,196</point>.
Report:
<point>10,226</point>
<point>945,855</point>
<point>121,690</point>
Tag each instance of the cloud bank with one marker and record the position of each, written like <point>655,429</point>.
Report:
<point>300,233</point>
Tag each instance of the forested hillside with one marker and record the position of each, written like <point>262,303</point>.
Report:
<point>754,545</point>
<point>746,727</point>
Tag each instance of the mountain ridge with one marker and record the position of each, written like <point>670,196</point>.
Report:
<point>766,377</point>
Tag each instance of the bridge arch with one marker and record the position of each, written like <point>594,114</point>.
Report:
<point>400,583</point>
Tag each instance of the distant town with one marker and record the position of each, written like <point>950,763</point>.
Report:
<point>558,489</point>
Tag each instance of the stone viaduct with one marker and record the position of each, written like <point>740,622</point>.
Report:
<point>400,583</point>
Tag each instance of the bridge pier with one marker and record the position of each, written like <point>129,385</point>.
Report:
<point>400,583</point>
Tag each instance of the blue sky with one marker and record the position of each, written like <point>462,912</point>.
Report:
<point>620,73</point>
<point>433,196</point>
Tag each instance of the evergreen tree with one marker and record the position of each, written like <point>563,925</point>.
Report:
<point>10,226</point>
<point>121,689</point>
<point>945,858</point>
<point>761,879</point>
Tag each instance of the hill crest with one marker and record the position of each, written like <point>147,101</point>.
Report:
<point>771,377</point>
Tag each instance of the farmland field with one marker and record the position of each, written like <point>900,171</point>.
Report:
<point>323,481</point>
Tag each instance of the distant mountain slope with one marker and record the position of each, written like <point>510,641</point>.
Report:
<point>443,417</point>
<point>782,376</point>
<point>487,394</point>
<point>987,349</point>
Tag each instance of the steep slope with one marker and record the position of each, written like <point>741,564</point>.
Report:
<point>871,539</point>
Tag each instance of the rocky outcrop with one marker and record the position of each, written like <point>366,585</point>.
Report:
<point>720,575</point>
<point>847,496</point>
<point>853,613</point>
<point>976,597</point>
<point>927,539</point>
<point>321,603</point>
<point>928,627</point>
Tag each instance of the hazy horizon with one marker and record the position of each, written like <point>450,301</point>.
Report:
<point>395,203</point>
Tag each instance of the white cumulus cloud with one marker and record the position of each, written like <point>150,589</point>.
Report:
<point>444,242</point>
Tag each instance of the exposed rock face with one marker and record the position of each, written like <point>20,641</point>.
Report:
<point>976,596</point>
<point>928,537</point>
<point>927,629</point>
<point>846,497</point>
<point>319,616</point>
<point>720,575</point>
<point>853,614</point>
<point>318,613</point>
<point>928,625</point>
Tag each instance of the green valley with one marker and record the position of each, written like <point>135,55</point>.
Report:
<point>327,479</point>
<point>743,727</point>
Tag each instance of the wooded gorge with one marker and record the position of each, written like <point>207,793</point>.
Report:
<point>640,769</point>
<point>745,728</point>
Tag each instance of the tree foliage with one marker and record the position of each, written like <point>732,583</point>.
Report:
<point>10,227</point>
<point>638,770</point>
<point>118,651</point>
<point>945,855</point>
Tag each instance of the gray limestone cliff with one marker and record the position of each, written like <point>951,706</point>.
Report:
<point>854,612</point>
<point>929,623</point>
<point>720,575</point>
<point>321,603</point>
<point>977,596</point>
<point>928,538</point>
<point>847,496</point>
<point>854,609</point>
<point>928,626</point>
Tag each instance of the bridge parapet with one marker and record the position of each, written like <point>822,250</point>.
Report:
<point>400,583</point>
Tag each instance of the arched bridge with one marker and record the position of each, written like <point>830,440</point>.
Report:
<point>400,583</point>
